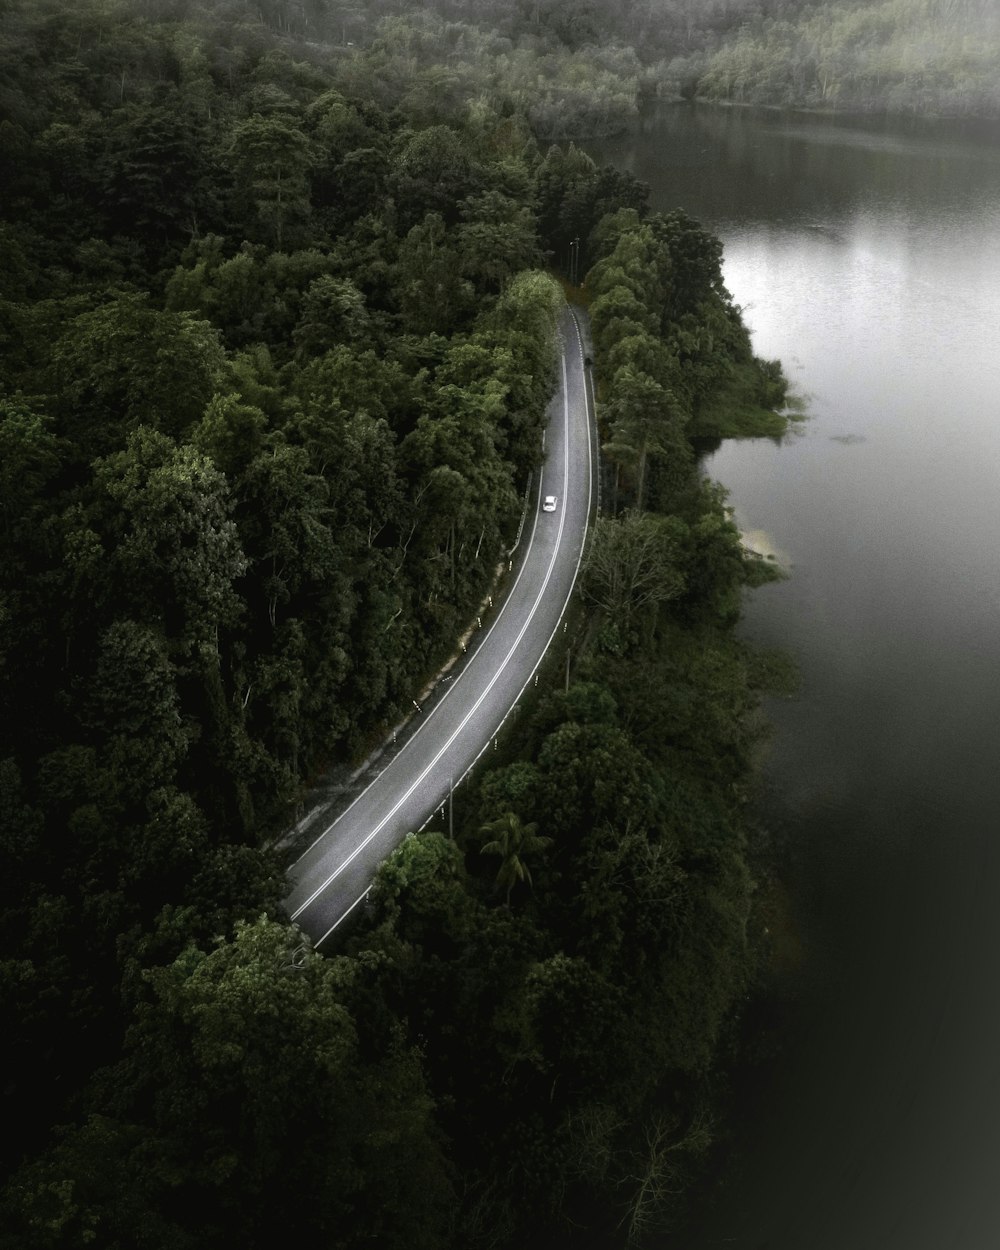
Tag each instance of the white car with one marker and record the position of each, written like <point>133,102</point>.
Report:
<point>549,503</point>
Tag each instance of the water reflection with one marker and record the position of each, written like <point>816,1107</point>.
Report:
<point>812,168</point>
<point>867,258</point>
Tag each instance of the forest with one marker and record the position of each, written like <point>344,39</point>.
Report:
<point>906,57</point>
<point>580,68</point>
<point>278,329</point>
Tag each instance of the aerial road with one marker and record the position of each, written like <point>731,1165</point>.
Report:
<point>332,877</point>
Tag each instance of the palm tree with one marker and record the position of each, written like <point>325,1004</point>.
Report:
<point>512,841</point>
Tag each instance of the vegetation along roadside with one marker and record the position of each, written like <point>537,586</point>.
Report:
<point>274,344</point>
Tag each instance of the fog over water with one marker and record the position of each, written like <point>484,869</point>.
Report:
<point>867,257</point>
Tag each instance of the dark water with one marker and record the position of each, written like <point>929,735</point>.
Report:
<point>867,257</point>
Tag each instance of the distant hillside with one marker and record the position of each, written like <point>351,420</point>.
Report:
<point>898,56</point>
<point>582,67</point>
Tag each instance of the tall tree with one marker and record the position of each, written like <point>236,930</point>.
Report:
<point>172,552</point>
<point>246,1107</point>
<point>633,563</point>
<point>513,842</point>
<point>271,160</point>
<point>127,364</point>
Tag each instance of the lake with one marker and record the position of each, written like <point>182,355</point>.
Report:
<point>866,256</point>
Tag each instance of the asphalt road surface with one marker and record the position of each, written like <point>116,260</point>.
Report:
<point>333,875</point>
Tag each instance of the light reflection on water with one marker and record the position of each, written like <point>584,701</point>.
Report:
<point>868,260</point>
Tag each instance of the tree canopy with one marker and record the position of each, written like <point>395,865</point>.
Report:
<point>280,332</point>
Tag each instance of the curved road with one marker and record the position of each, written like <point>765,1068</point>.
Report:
<point>333,875</point>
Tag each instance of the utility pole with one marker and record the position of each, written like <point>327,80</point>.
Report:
<point>574,261</point>
<point>451,809</point>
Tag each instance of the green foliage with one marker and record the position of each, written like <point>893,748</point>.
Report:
<point>278,346</point>
<point>871,55</point>
<point>433,296</point>
<point>127,364</point>
<point>632,564</point>
<point>245,1106</point>
<point>575,196</point>
<point>416,887</point>
<point>937,56</point>
<point>512,841</point>
<point>433,173</point>
<point>497,239</point>
<point>433,64</point>
<point>29,459</point>
<point>674,352</point>
<point>270,160</point>
<point>171,553</point>
<point>743,406</point>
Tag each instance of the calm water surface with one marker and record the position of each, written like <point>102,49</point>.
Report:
<point>867,257</point>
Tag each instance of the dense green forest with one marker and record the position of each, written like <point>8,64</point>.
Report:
<point>581,68</point>
<point>278,330</point>
<point>899,56</point>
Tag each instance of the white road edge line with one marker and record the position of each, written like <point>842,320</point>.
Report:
<point>579,560</point>
<point>430,715</point>
<point>501,667</point>
<point>360,899</point>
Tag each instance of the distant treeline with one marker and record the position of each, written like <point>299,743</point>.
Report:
<point>583,67</point>
<point>937,57</point>
<point>277,345</point>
